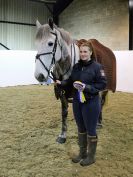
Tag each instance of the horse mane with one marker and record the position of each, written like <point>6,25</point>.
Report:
<point>65,35</point>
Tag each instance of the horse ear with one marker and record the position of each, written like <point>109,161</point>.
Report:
<point>38,24</point>
<point>51,23</point>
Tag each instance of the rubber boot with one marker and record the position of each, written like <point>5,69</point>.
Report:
<point>82,141</point>
<point>92,145</point>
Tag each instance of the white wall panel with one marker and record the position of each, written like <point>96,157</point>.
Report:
<point>17,68</point>
<point>20,37</point>
<point>124,63</point>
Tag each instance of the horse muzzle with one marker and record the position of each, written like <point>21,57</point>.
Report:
<point>41,78</point>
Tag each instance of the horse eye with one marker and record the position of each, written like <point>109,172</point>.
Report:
<point>50,43</point>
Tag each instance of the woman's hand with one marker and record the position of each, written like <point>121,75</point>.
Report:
<point>79,85</point>
<point>58,82</point>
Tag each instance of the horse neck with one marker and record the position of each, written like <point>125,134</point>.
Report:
<point>63,67</point>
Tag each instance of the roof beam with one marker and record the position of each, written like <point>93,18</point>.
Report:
<point>60,6</point>
<point>56,7</point>
<point>48,4</point>
<point>45,1</point>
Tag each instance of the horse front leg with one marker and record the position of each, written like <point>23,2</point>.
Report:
<point>64,107</point>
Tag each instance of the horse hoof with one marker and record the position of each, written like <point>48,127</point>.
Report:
<point>61,140</point>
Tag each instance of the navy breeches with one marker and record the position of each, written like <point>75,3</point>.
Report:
<point>86,115</point>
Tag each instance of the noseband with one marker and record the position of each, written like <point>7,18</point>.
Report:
<point>49,53</point>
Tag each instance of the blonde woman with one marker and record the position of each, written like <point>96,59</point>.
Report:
<point>88,78</point>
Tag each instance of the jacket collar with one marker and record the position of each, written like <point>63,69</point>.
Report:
<point>84,63</point>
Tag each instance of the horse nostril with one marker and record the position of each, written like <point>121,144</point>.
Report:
<point>41,78</point>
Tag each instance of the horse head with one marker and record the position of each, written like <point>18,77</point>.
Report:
<point>52,46</point>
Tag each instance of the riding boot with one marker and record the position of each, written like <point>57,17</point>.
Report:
<point>92,145</point>
<point>82,142</point>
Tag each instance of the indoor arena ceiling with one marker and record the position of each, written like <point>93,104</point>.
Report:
<point>57,5</point>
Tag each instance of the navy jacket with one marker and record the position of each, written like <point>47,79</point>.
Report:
<point>91,74</point>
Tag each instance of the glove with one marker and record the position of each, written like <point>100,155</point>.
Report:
<point>79,86</point>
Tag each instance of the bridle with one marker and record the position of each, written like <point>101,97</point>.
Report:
<point>49,53</point>
<point>52,76</point>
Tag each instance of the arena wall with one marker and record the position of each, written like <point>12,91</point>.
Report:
<point>104,20</point>
<point>17,68</point>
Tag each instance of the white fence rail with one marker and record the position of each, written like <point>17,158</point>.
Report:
<point>124,60</point>
<point>17,68</point>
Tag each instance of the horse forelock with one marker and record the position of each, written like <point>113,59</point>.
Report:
<point>43,31</point>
